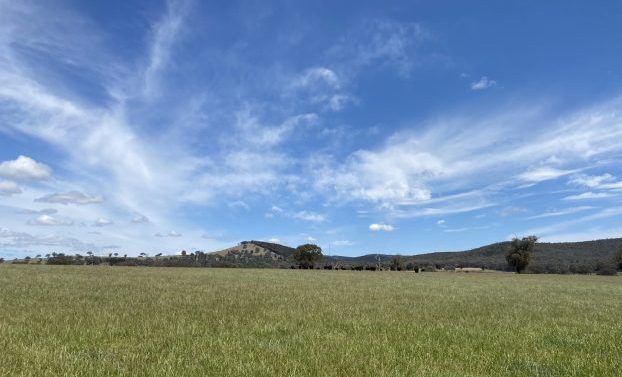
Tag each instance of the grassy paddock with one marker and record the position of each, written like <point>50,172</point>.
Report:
<point>102,321</point>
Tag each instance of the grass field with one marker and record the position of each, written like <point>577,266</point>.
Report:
<point>113,321</point>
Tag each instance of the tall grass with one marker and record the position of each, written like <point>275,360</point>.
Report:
<point>116,321</point>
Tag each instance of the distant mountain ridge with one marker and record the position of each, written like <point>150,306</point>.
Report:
<point>561,257</point>
<point>547,257</point>
<point>598,256</point>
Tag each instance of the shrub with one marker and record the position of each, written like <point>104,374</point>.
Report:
<point>60,259</point>
<point>606,269</point>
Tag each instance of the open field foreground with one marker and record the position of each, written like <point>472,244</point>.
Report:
<point>102,321</point>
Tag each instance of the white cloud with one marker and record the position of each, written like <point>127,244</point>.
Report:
<point>591,181</point>
<point>24,168</point>
<point>239,204</point>
<point>393,174</point>
<point>309,216</point>
<point>8,188</point>
<point>47,220</point>
<point>440,223</point>
<point>71,197</point>
<point>140,219</point>
<point>300,215</point>
<point>483,83</point>
<point>604,182</point>
<point>316,76</point>
<point>172,233</point>
<point>588,195</point>
<point>543,174</point>
<point>381,227</point>
<point>103,222</point>
<point>343,243</point>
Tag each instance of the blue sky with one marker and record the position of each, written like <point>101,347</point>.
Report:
<point>365,127</point>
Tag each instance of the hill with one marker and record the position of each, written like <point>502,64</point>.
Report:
<point>564,257</point>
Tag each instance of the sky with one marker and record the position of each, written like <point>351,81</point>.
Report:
<point>363,126</point>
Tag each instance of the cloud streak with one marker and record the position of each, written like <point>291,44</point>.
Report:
<point>71,197</point>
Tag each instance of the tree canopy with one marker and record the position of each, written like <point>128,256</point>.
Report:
<point>307,255</point>
<point>519,254</point>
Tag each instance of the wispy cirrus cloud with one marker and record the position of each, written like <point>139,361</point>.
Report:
<point>71,197</point>
<point>561,212</point>
<point>340,243</point>
<point>382,43</point>
<point>563,227</point>
<point>171,233</point>
<point>412,172</point>
<point>544,173</point>
<point>44,211</point>
<point>588,195</point>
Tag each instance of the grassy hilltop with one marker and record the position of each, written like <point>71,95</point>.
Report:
<point>123,321</point>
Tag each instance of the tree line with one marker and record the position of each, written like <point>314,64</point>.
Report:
<point>518,257</point>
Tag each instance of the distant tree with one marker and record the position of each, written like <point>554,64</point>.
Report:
<point>142,254</point>
<point>116,254</point>
<point>183,252</point>
<point>396,263</point>
<point>307,255</point>
<point>1,260</point>
<point>158,254</point>
<point>519,254</point>
<point>619,259</point>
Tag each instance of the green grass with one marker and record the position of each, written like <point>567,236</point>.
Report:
<point>114,321</point>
